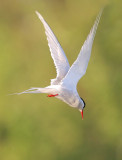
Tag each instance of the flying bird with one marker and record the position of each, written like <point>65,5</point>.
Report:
<point>64,85</point>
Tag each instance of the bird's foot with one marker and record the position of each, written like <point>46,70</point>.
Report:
<point>52,95</point>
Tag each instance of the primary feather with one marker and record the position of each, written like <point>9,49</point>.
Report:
<point>57,53</point>
<point>78,68</point>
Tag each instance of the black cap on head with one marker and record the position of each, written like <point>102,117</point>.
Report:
<point>83,102</point>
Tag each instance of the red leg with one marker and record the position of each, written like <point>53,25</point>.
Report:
<point>52,95</point>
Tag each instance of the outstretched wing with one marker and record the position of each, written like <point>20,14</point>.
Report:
<point>78,69</point>
<point>57,53</point>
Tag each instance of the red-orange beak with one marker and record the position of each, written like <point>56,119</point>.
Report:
<point>82,114</point>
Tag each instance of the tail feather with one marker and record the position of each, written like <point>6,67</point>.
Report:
<point>36,90</point>
<point>31,90</point>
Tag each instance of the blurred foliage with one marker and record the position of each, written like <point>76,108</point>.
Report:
<point>34,127</point>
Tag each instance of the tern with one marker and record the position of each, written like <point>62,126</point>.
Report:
<point>64,86</point>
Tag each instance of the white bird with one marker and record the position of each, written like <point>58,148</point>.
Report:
<point>64,85</point>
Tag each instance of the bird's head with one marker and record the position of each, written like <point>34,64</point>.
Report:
<point>83,104</point>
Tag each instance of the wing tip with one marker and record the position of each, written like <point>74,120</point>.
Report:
<point>39,15</point>
<point>99,15</point>
<point>95,26</point>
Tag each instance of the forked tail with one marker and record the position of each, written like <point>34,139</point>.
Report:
<point>37,90</point>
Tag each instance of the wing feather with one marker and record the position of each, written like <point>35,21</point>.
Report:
<point>78,68</point>
<point>57,53</point>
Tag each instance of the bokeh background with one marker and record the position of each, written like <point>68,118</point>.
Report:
<point>34,127</point>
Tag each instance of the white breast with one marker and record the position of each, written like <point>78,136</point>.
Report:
<point>68,97</point>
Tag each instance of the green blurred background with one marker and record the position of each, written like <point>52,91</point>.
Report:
<point>34,127</point>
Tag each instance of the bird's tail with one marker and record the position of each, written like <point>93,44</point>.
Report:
<point>37,90</point>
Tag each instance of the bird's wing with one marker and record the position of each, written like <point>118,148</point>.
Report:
<point>78,68</point>
<point>57,53</point>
